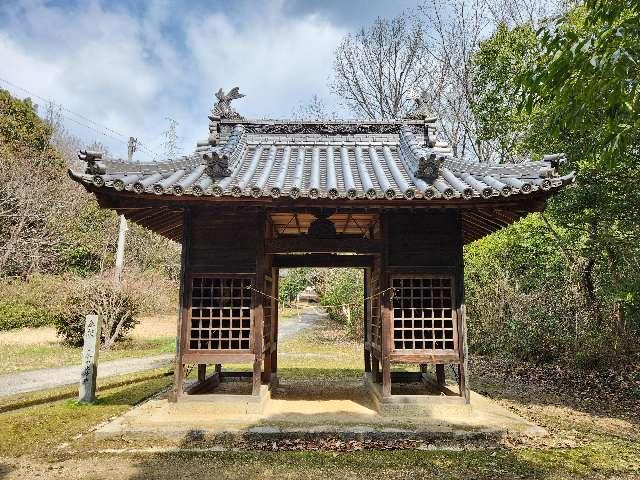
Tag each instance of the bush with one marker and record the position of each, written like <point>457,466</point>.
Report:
<point>341,286</point>
<point>118,306</point>
<point>35,302</point>
<point>291,283</point>
<point>16,314</point>
<point>524,301</point>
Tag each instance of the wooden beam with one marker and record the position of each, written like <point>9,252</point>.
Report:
<point>322,260</point>
<point>322,245</point>
<point>217,358</point>
<point>183,310</point>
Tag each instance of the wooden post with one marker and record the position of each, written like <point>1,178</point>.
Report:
<point>463,378</point>
<point>258,312</point>
<point>365,310</point>
<point>275,273</point>
<point>202,372</point>
<point>464,371</point>
<point>90,350</point>
<point>440,374</point>
<point>122,232</point>
<point>375,369</point>
<point>183,307</point>
<point>385,302</point>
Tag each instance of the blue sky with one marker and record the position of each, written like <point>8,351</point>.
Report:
<point>131,64</point>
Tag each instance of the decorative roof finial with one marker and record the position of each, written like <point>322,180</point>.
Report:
<point>421,108</point>
<point>223,109</point>
<point>94,167</point>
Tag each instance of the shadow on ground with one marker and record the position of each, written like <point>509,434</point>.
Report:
<point>5,470</point>
<point>327,458</point>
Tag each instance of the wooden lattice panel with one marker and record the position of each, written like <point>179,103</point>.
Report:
<point>220,313</point>
<point>423,314</point>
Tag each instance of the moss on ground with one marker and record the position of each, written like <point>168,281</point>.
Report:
<point>38,429</point>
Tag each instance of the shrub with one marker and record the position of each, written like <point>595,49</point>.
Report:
<point>16,314</point>
<point>291,283</point>
<point>31,303</point>
<point>117,306</point>
<point>341,286</point>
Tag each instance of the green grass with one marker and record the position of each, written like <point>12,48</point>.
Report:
<point>598,447</point>
<point>17,358</point>
<point>37,429</point>
<point>598,461</point>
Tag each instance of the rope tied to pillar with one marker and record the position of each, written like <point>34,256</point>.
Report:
<point>342,305</point>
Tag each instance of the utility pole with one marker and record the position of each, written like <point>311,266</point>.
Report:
<point>122,232</point>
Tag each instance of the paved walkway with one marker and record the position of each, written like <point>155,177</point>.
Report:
<point>35,380</point>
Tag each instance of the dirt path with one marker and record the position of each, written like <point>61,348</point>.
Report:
<point>308,317</point>
<point>35,380</point>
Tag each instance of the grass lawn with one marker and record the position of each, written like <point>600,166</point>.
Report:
<point>151,337</point>
<point>592,420</point>
<point>17,358</point>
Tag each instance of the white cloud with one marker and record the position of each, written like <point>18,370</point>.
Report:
<point>127,72</point>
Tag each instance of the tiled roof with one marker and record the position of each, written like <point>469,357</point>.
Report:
<point>377,160</point>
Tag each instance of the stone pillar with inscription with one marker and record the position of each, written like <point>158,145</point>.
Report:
<point>89,374</point>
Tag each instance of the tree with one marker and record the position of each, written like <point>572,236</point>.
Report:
<point>377,69</point>
<point>589,64</point>
<point>315,109</point>
<point>505,55</point>
<point>594,226</point>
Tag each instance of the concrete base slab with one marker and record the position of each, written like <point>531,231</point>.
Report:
<point>312,408</point>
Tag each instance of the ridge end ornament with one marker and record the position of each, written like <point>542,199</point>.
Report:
<point>217,165</point>
<point>94,166</point>
<point>223,108</point>
<point>428,167</point>
<point>421,109</point>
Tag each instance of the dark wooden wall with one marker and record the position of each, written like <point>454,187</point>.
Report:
<point>423,239</point>
<point>224,242</point>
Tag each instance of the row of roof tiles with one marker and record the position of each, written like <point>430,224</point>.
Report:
<point>331,167</point>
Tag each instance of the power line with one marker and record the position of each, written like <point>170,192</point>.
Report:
<point>104,128</point>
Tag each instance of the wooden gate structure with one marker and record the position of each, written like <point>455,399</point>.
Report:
<point>385,196</point>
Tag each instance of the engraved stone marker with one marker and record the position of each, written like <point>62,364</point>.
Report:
<point>88,376</point>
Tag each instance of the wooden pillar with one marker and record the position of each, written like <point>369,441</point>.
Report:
<point>375,369</point>
<point>202,372</point>
<point>385,303</point>
<point>274,324</point>
<point>258,308</point>
<point>440,374</point>
<point>463,378</point>
<point>464,352</point>
<point>183,307</point>
<point>366,310</point>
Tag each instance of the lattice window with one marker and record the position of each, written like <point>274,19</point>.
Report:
<point>423,314</point>
<point>375,324</point>
<point>220,313</point>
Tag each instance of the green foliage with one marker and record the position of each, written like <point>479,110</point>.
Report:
<point>588,70</point>
<point>16,314</point>
<point>518,303</point>
<point>20,125</point>
<point>337,287</point>
<point>291,283</point>
<point>502,57</point>
<point>587,253</point>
